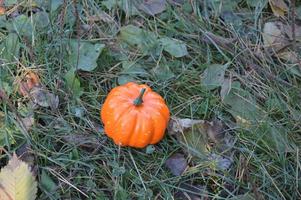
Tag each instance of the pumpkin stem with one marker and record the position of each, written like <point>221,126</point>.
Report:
<point>138,101</point>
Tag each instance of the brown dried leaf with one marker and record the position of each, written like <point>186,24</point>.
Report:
<point>44,98</point>
<point>153,7</point>
<point>28,122</point>
<point>83,140</point>
<point>278,7</point>
<point>276,38</point>
<point>176,164</point>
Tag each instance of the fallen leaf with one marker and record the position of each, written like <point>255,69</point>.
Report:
<point>213,76</point>
<point>83,55</point>
<point>191,134</point>
<point>150,149</point>
<point>178,125</point>
<point>25,153</point>
<point>153,7</point>
<point>174,47</point>
<point>276,38</point>
<point>83,140</point>
<point>48,184</point>
<point>44,98</point>
<point>28,122</point>
<point>226,87</point>
<point>73,83</point>
<point>30,80</point>
<point>278,7</point>
<point>220,162</point>
<point>133,35</point>
<point>176,164</point>
<point>215,130</point>
<point>17,182</point>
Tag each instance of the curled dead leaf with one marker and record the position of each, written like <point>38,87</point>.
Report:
<point>176,164</point>
<point>44,98</point>
<point>30,80</point>
<point>276,38</point>
<point>278,7</point>
<point>28,122</point>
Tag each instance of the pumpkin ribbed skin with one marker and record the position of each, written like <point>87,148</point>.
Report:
<point>134,125</point>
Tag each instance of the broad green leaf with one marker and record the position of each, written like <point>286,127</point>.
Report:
<point>48,184</point>
<point>133,69</point>
<point>9,51</point>
<point>174,47</point>
<point>41,19</point>
<point>73,83</point>
<point>162,72</point>
<point>213,76</point>
<point>243,106</point>
<point>21,25</point>
<point>133,35</point>
<point>123,79</point>
<point>130,72</point>
<point>17,182</point>
<point>55,4</point>
<point>83,55</point>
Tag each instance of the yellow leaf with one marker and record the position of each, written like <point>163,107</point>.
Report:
<point>278,7</point>
<point>16,181</point>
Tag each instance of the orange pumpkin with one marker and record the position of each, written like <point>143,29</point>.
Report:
<point>134,115</point>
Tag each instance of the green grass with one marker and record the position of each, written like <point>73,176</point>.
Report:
<point>266,153</point>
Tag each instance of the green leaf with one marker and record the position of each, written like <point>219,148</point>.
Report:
<point>41,19</point>
<point>47,183</point>
<point>213,76</point>
<point>174,47</point>
<point>10,50</point>
<point>73,83</point>
<point>83,55</point>
<point>133,69</point>
<point>21,25</point>
<point>162,72</point>
<point>55,4</point>
<point>243,105</point>
<point>133,35</point>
